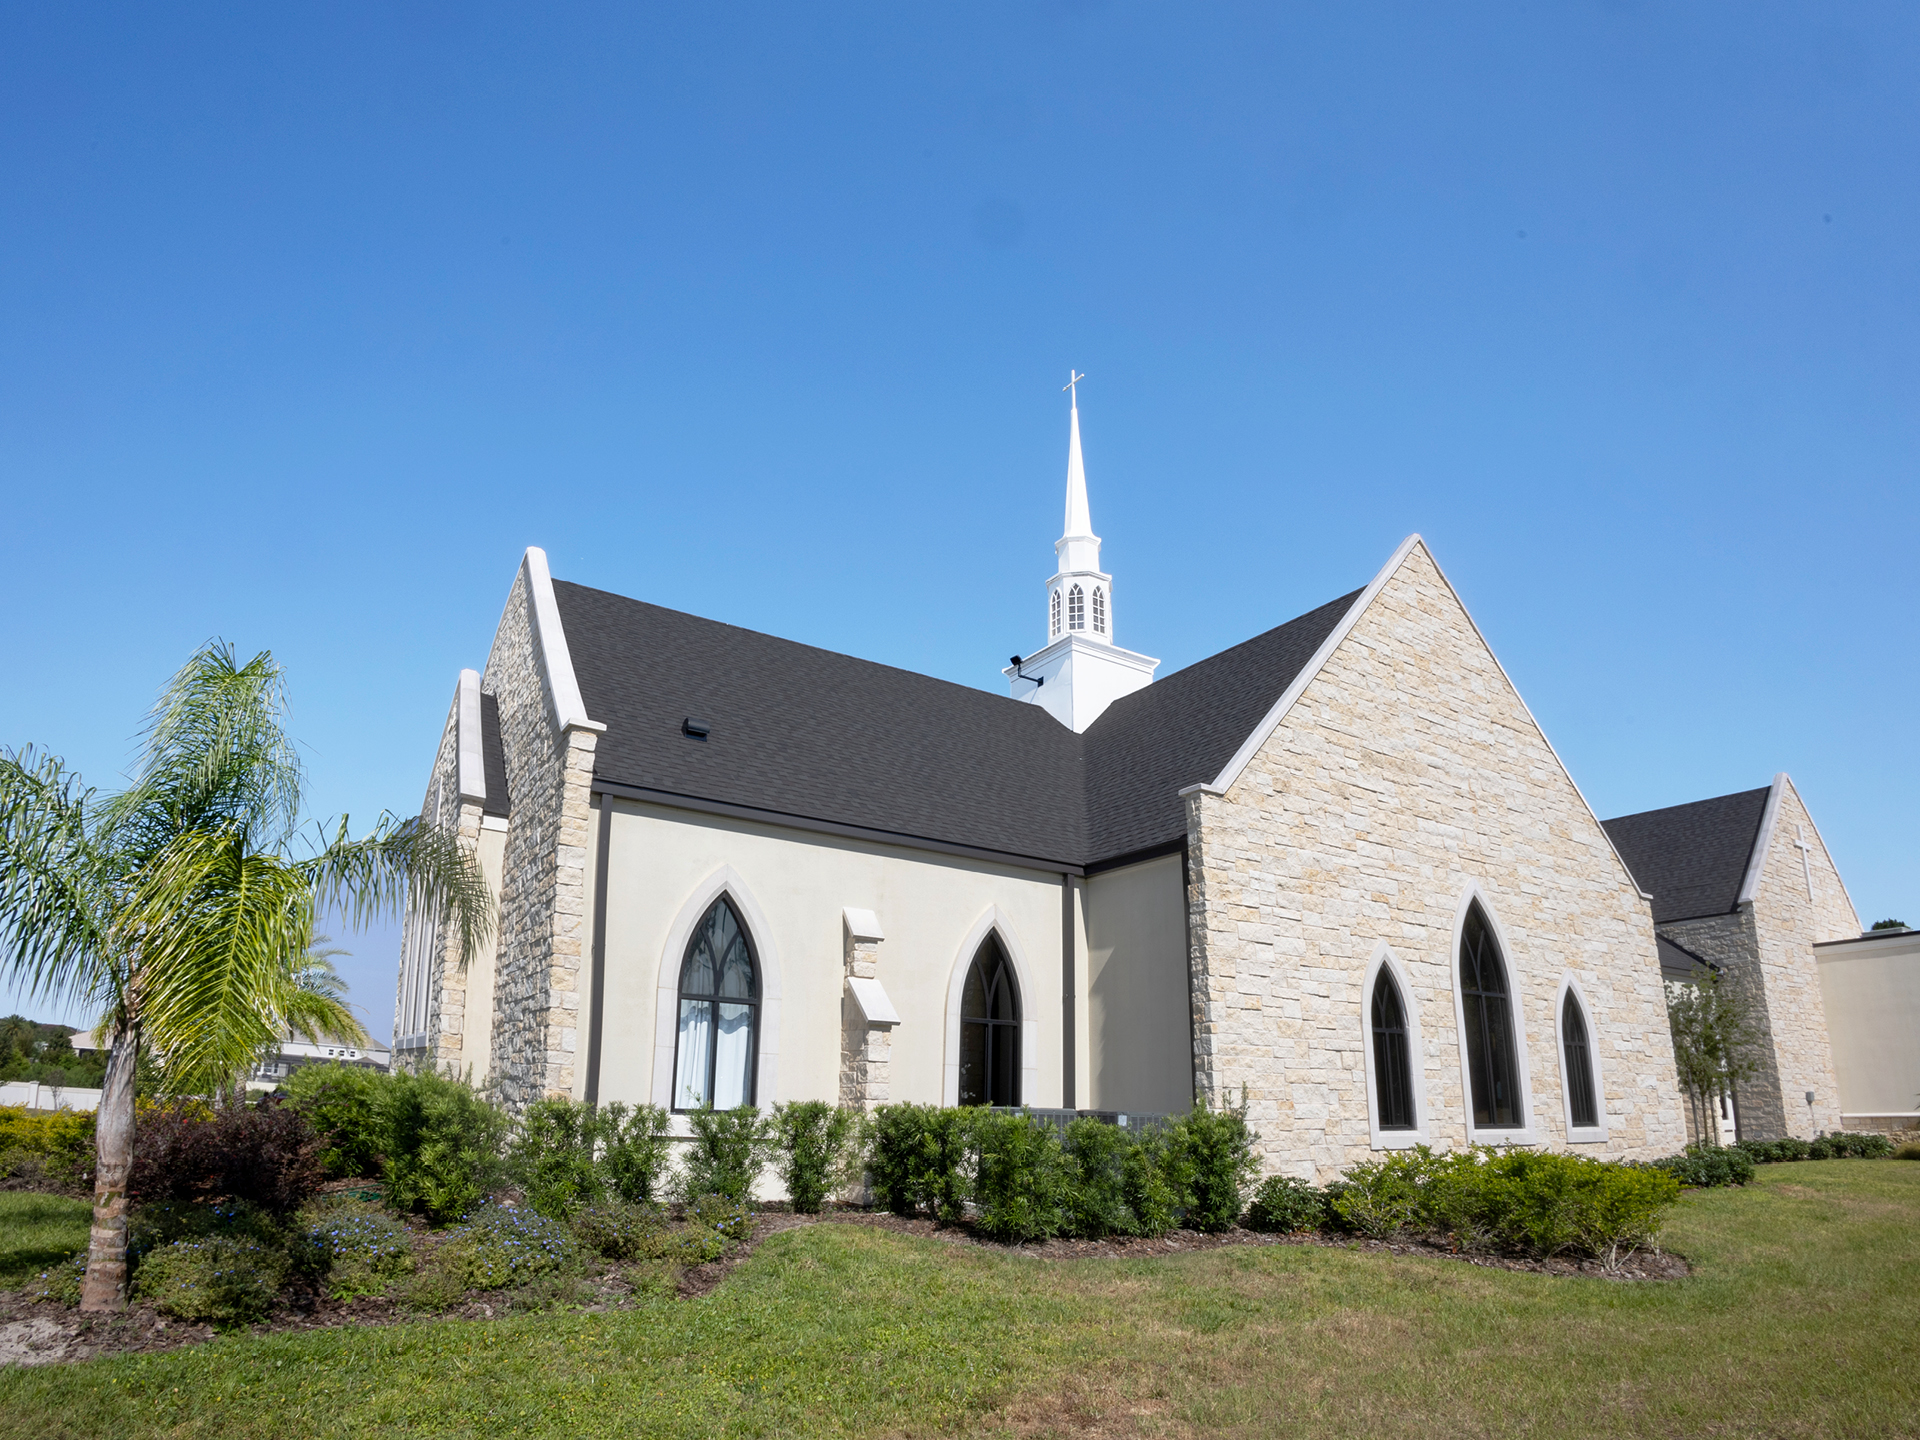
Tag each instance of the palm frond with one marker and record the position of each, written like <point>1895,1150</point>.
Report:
<point>314,1015</point>
<point>216,755</point>
<point>222,929</point>
<point>56,884</point>
<point>402,861</point>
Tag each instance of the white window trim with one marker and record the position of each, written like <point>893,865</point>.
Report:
<point>666,1009</point>
<point>996,920</point>
<point>1579,1134</point>
<point>1385,959</point>
<point>1524,1133</point>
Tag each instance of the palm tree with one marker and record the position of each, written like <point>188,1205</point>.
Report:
<point>182,908</point>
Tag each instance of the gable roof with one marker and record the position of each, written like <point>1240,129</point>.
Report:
<point>807,734</point>
<point>1693,858</point>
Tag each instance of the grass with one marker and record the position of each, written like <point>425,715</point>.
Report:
<point>37,1231</point>
<point>1796,1322</point>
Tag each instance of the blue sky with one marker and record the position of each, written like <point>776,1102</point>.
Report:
<point>311,319</point>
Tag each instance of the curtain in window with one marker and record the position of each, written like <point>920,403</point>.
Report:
<point>1491,1063</point>
<point>1392,1069</point>
<point>1581,1099</point>
<point>719,1015</point>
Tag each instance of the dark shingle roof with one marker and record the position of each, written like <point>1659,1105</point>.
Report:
<point>493,759</point>
<point>1692,858</point>
<point>809,733</point>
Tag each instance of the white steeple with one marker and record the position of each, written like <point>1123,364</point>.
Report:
<point>1080,671</point>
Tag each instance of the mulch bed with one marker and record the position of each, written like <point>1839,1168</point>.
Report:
<point>43,1332</point>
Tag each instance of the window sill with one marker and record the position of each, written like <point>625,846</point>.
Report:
<point>1588,1135</point>
<point>1398,1139</point>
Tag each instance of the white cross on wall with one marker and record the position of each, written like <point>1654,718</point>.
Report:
<point>1806,865</point>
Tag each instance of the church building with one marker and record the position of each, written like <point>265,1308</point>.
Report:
<point>1336,872</point>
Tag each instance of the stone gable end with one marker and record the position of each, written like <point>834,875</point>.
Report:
<point>1407,771</point>
<point>1794,906</point>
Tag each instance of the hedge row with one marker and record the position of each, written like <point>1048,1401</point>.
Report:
<point>1705,1166</point>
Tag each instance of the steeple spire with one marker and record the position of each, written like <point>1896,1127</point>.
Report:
<point>1080,671</point>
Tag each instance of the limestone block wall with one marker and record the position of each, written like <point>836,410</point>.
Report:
<point>1729,941</point>
<point>1796,904</point>
<point>1407,770</point>
<point>543,902</point>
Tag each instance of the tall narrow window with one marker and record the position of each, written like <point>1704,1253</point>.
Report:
<point>990,1029</point>
<point>1056,613</point>
<point>1076,609</point>
<point>1099,611</point>
<point>718,1039</point>
<point>1582,1103</point>
<point>1490,1053</point>
<point>1392,1063</point>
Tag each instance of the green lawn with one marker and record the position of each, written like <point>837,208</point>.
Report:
<point>1798,1321</point>
<point>36,1231</point>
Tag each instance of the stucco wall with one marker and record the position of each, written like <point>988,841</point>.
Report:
<point>1408,771</point>
<point>1142,1049</point>
<point>475,1054</point>
<point>663,865</point>
<point>1871,992</point>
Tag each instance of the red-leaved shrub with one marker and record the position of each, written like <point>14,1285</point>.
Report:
<point>265,1154</point>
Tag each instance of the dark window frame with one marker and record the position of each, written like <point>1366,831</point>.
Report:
<point>1395,1110</point>
<point>713,1002</point>
<point>995,1032</point>
<point>1496,1095</point>
<point>1576,1048</point>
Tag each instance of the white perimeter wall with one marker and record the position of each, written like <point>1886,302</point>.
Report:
<point>1138,1011</point>
<point>1872,994</point>
<point>660,860</point>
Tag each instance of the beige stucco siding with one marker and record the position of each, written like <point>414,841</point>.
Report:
<point>1407,772</point>
<point>791,887</point>
<point>1871,991</point>
<point>1142,1049</point>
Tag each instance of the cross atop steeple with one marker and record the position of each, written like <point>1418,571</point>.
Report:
<point>1073,380</point>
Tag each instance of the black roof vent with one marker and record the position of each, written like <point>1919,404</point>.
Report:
<point>696,729</point>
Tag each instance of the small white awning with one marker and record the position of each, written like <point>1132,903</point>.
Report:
<point>872,999</point>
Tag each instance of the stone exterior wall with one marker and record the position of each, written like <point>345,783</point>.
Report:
<point>1407,770</point>
<point>866,1049</point>
<point>1787,920</point>
<point>544,913</point>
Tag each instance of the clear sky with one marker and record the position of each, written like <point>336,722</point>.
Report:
<point>312,318</point>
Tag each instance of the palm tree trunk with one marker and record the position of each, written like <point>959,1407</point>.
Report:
<point>105,1287</point>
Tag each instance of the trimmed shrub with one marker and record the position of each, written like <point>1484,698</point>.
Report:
<point>222,1279</point>
<point>1846,1145</point>
<point>443,1140</point>
<point>1096,1199</point>
<point>365,1252</point>
<point>1908,1151</point>
<point>1209,1164</point>
<point>921,1160</point>
<point>552,1157</point>
<point>58,1143</point>
<point>1704,1166</point>
<point>1284,1205</point>
<point>1021,1188</point>
<point>810,1139</point>
<point>265,1155</point>
<point>497,1248</point>
<point>1543,1203</point>
<point>1770,1152</point>
<point>1143,1179</point>
<point>342,1104</point>
<point>618,1230</point>
<point>729,1146</point>
<point>634,1151</point>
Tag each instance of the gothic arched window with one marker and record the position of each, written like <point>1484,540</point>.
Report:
<point>990,1029</point>
<point>1392,1062</point>
<point>718,1040</point>
<point>1582,1104</point>
<point>1056,613</point>
<point>1491,1062</point>
<point>1099,611</point>
<point>1076,609</point>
